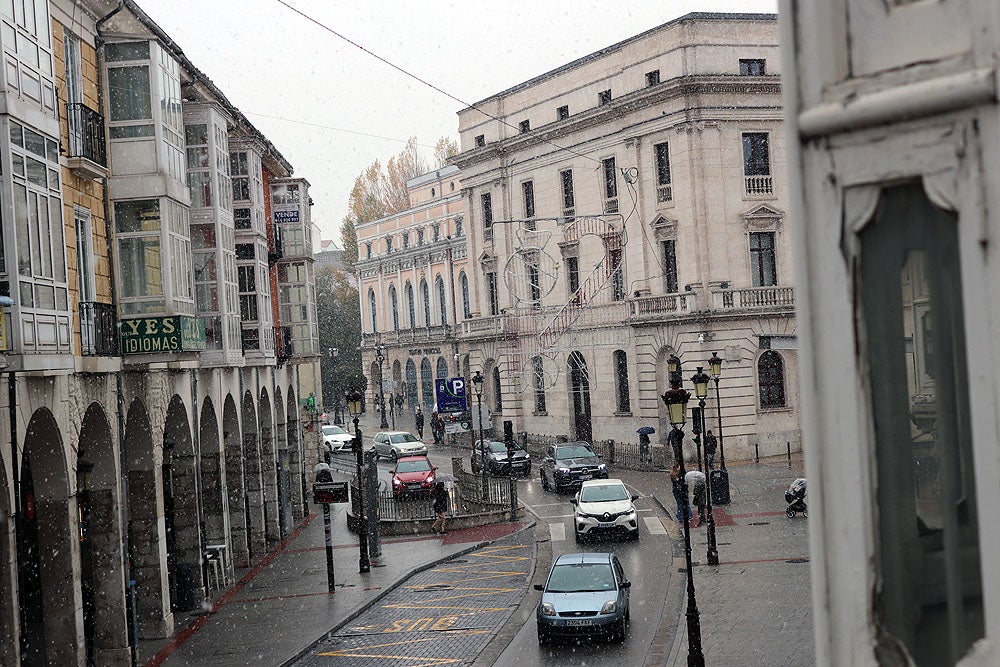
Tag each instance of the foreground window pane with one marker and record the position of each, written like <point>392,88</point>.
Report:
<point>926,516</point>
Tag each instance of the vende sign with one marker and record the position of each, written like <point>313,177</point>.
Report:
<point>286,216</point>
<point>151,335</point>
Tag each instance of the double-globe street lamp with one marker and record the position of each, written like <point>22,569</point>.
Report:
<point>721,480</point>
<point>380,358</point>
<point>700,382</point>
<point>477,384</point>
<point>676,400</point>
<point>354,406</point>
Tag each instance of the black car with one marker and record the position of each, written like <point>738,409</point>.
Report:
<point>566,466</point>
<point>493,455</point>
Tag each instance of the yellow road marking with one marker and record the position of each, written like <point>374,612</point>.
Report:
<point>426,608</point>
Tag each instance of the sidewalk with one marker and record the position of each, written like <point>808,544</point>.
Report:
<point>281,606</point>
<point>755,606</point>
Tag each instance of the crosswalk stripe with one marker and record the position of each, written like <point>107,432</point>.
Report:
<point>654,525</point>
<point>557,531</point>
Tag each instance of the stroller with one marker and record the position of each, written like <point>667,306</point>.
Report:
<point>795,496</point>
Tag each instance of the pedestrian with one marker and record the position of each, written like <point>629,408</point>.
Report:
<point>441,501</point>
<point>677,485</point>
<point>696,483</point>
<point>437,427</point>
<point>710,446</point>
<point>419,417</point>
<point>644,448</point>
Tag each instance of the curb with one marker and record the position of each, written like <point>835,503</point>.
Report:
<point>666,637</point>
<point>393,586</point>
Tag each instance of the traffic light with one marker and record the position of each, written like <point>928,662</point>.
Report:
<point>311,403</point>
<point>508,436</point>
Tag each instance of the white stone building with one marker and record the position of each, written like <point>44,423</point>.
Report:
<point>626,206</point>
<point>894,142</point>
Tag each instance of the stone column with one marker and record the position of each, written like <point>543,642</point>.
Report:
<point>149,554</point>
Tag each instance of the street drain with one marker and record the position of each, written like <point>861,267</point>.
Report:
<point>759,523</point>
<point>797,560</point>
<point>436,587</point>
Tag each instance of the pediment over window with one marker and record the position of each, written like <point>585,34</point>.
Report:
<point>487,261</point>
<point>762,217</point>
<point>664,228</point>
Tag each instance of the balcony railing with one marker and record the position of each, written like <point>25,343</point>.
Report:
<point>754,298</point>
<point>759,186</point>
<point>99,330</point>
<point>667,304</point>
<point>86,133</point>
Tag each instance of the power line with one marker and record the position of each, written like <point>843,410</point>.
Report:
<point>336,129</point>
<point>419,79</point>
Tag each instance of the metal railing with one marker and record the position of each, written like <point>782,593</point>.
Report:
<point>86,133</point>
<point>99,334</point>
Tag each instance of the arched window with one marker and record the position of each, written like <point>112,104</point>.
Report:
<point>426,385</point>
<point>623,404</point>
<point>372,309</point>
<point>771,378</point>
<point>411,384</point>
<point>441,297</point>
<point>442,368</point>
<point>497,390</point>
<point>463,285</point>
<point>538,382</point>
<point>394,306</point>
<point>425,296</point>
<point>411,307</point>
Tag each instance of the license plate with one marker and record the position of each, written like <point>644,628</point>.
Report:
<point>579,621</point>
<point>586,477</point>
<point>602,524</point>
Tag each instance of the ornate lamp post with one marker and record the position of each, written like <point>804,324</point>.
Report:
<point>354,406</point>
<point>721,480</point>
<point>677,399</point>
<point>380,358</point>
<point>700,381</point>
<point>477,384</point>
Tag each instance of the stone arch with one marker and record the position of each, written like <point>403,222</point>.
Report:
<point>297,459</point>
<point>253,495</point>
<point>268,467</point>
<point>235,482</point>
<point>213,477</point>
<point>48,546</point>
<point>181,514</point>
<point>284,461</point>
<point>102,577</point>
<point>147,545</point>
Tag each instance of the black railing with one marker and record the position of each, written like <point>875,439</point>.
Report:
<point>99,330</point>
<point>86,133</point>
<point>284,351</point>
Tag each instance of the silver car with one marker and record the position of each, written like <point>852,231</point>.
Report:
<point>585,595</point>
<point>394,444</point>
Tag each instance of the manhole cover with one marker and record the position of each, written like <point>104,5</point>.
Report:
<point>759,523</point>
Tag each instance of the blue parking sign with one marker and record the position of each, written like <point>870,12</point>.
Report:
<point>450,394</point>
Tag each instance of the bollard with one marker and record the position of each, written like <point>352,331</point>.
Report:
<point>788,445</point>
<point>756,452</point>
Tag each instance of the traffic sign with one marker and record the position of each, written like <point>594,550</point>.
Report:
<point>330,492</point>
<point>450,394</point>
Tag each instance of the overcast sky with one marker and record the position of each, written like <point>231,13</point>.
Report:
<point>332,109</point>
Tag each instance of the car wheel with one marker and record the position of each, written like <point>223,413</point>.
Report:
<point>543,638</point>
<point>545,484</point>
<point>635,534</point>
<point>622,630</point>
<point>395,456</point>
<point>577,536</point>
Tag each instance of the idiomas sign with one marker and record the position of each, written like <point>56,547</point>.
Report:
<point>149,335</point>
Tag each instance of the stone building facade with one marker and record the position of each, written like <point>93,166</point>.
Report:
<point>145,433</point>
<point>624,207</point>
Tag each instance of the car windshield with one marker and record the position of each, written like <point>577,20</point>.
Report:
<point>575,452</point>
<point>498,447</point>
<point>413,466</point>
<point>333,430</point>
<point>603,493</point>
<point>403,437</point>
<point>581,578</point>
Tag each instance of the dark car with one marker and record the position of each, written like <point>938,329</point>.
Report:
<point>567,466</point>
<point>585,595</point>
<point>493,455</point>
<point>413,475</point>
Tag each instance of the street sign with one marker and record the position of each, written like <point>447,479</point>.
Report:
<point>474,415</point>
<point>450,394</point>
<point>330,492</point>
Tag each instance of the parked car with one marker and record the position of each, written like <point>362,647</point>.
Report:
<point>337,439</point>
<point>567,466</point>
<point>413,475</point>
<point>585,595</point>
<point>493,455</point>
<point>604,506</point>
<point>395,444</point>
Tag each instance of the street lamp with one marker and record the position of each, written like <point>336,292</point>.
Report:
<point>700,381</point>
<point>380,358</point>
<point>722,476</point>
<point>354,406</point>
<point>477,384</point>
<point>677,399</point>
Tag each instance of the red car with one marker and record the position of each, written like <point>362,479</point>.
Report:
<point>413,475</point>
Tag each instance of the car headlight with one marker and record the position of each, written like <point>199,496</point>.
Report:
<point>429,481</point>
<point>546,609</point>
<point>564,471</point>
<point>610,607</point>
<point>397,482</point>
<point>602,467</point>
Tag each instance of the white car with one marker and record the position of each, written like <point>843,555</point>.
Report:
<point>395,444</point>
<point>337,439</point>
<point>604,506</point>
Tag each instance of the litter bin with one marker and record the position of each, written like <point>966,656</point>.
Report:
<point>187,586</point>
<point>720,487</point>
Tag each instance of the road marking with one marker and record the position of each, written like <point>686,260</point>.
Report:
<point>557,532</point>
<point>654,525</point>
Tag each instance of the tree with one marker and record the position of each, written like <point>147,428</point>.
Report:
<point>339,314</point>
<point>445,149</point>
<point>349,242</point>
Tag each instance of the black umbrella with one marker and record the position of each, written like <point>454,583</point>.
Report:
<point>645,430</point>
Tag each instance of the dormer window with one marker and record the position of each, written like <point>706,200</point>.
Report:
<point>604,97</point>
<point>524,126</point>
<point>752,67</point>
<point>652,78</point>
<point>480,140</point>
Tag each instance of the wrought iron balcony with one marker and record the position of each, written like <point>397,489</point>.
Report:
<point>99,330</point>
<point>86,134</point>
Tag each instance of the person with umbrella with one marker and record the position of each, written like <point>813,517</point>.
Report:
<point>644,431</point>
